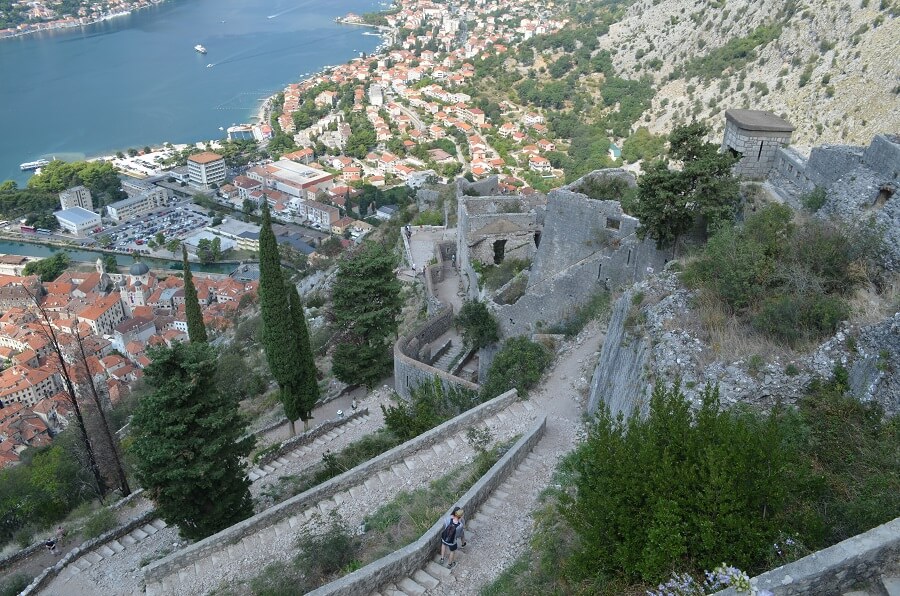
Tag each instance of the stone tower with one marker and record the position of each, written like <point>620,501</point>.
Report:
<point>754,136</point>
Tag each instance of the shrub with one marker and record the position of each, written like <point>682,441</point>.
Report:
<point>519,364</point>
<point>595,307</point>
<point>815,199</point>
<point>429,405</point>
<point>479,326</point>
<point>679,489</point>
<point>794,318</point>
<point>101,522</point>
<point>14,584</point>
<point>325,555</point>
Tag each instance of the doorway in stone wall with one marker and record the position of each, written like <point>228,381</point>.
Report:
<point>499,251</point>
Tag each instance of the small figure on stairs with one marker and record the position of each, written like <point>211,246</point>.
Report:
<point>450,535</point>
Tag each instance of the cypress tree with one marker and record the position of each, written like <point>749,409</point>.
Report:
<point>188,445</point>
<point>305,389</point>
<point>196,328</point>
<point>278,333</point>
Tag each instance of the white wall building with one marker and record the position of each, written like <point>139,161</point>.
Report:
<point>77,220</point>
<point>77,196</point>
<point>205,169</point>
<point>138,205</point>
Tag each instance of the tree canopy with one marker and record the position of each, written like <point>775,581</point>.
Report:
<point>367,302</point>
<point>50,268</point>
<point>99,177</point>
<point>195,325</point>
<point>189,442</point>
<point>518,365</point>
<point>479,326</point>
<point>703,190</point>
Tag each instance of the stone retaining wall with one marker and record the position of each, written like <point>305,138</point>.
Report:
<point>161,569</point>
<point>850,564</point>
<point>309,436</point>
<point>413,557</point>
<point>50,573</point>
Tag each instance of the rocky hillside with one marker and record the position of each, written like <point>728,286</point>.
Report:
<point>831,67</point>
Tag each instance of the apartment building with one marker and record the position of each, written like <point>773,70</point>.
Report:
<point>206,169</point>
<point>138,204</point>
<point>77,196</point>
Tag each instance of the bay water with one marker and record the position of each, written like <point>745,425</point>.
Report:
<point>136,80</point>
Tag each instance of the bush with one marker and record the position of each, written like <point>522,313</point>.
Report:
<point>101,522</point>
<point>15,584</point>
<point>518,365</point>
<point>679,489</point>
<point>323,556</point>
<point>814,200</point>
<point>478,325</point>
<point>793,318</point>
<point>429,405</point>
<point>596,306</point>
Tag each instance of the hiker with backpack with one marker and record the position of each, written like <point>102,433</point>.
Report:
<point>451,533</point>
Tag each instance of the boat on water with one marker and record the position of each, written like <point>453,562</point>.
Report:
<point>33,165</point>
<point>209,66</point>
<point>200,48</point>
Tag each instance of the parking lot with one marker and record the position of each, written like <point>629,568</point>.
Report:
<point>176,221</point>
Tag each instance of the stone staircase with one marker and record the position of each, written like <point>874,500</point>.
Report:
<point>317,445</point>
<point>246,555</point>
<point>449,357</point>
<point>886,586</point>
<point>111,549</point>
<point>435,577</point>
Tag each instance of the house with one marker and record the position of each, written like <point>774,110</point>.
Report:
<point>343,224</point>
<point>539,164</point>
<point>385,212</point>
<point>545,145</point>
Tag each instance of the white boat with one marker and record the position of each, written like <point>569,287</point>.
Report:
<point>200,48</point>
<point>33,165</point>
<point>209,66</point>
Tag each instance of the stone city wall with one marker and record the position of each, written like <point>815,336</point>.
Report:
<point>792,167</point>
<point>159,570</point>
<point>309,436</point>
<point>883,156</point>
<point>618,381</point>
<point>587,246</point>
<point>828,163</point>
<point>409,559</point>
<point>851,564</point>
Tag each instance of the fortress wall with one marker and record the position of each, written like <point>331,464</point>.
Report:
<point>828,163</point>
<point>883,156</point>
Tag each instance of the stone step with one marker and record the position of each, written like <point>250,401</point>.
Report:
<point>891,585</point>
<point>425,580</point>
<point>150,529</point>
<point>105,551</point>
<point>268,469</point>
<point>94,557</point>
<point>275,464</point>
<point>138,534</point>
<point>281,461</point>
<point>437,570</point>
<point>82,563</point>
<point>253,476</point>
<point>116,546</point>
<point>411,587</point>
<point>856,593</point>
<point>127,540</point>
<point>159,524</point>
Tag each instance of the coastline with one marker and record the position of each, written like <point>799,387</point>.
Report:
<point>387,35</point>
<point>62,26</point>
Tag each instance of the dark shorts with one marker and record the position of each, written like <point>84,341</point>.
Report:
<point>452,547</point>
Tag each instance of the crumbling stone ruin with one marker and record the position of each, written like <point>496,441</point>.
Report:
<point>578,246</point>
<point>860,184</point>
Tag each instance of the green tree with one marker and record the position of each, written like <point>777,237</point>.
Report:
<point>429,405</point>
<point>196,328</point>
<point>160,239</point>
<point>479,326</point>
<point>49,268</point>
<point>280,329</point>
<point>518,365</point>
<point>248,207</point>
<point>304,390</point>
<point>677,490</point>
<point>110,265</point>
<point>189,441</point>
<point>669,201</point>
<point>367,302</point>
<point>173,245</point>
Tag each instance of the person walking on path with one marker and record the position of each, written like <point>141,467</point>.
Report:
<point>461,533</point>
<point>449,537</point>
<point>51,546</point>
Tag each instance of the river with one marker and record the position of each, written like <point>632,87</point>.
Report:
<point>136,80</point>
<point>88,256</point>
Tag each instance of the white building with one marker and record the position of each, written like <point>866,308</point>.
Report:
<point>77,196</point>
<point>206,169</point>
<point>138,205</point>
<point>376,95</point>
<point>77,220</point>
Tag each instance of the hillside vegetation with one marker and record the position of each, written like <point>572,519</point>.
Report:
<point>829,66</point>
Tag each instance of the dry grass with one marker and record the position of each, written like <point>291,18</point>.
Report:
<point>725,335</point>
<point>867,306</point>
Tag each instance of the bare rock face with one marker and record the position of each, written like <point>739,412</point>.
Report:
<point>659,340</point>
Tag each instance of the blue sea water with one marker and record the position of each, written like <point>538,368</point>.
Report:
<point>136,80</point>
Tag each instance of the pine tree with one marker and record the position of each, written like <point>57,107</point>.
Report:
<point>305,388</point>
<point>196,328</point>
<point>188,445</point>
<point>367,303</point>
<point>278,335</point>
